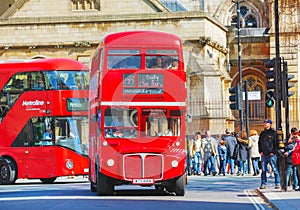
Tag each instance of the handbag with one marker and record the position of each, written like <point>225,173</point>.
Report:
<point>296,155</point>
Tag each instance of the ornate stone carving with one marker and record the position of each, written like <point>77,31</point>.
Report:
<point>207,41</point>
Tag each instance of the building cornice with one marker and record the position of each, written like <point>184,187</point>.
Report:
<point>97,17</point>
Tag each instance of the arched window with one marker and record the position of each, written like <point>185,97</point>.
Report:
<point>234,21</point>
<point>250,21</point>
<point>244,10</point>
<point>248,17</point>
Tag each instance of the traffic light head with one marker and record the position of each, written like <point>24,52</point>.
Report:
<point>273,76</point>
<point>236,98</point>
<point>270,74</point>
<point>290,85</point>
<point>270,63</point>
<point>269,98</point>
<point>286,78</point>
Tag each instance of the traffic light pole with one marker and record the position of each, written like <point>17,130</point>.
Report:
<point>239,61</point>
<point>277,70</point>
<point>278,81</point>
<point>246,106</point>
<point>286,99</point>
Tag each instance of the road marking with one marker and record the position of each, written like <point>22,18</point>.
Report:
<point>254,200</point>
<point>51,198</point>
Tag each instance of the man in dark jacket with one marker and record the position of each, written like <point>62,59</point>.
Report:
<point>231,143</point>
<point>267,146</point>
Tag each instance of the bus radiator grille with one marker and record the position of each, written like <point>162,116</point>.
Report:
<point>143,166</point>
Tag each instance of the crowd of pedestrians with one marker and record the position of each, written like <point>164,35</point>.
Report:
<point>226,154</point>
<point>239,154</point>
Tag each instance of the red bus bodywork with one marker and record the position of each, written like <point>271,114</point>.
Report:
<point>149,100</point>
<point>26,111</point>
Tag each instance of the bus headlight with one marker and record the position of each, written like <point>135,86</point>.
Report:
<point>69,164</point>
<point>174,163</point>
<point>110,162</point>
<point>104,143</point>
<point>177,143</point>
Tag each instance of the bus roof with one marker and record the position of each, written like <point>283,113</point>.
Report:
<point>43,64</point>
<point>140,38</point>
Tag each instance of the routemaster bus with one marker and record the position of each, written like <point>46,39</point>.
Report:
<point>137,108</point>
<point>43,119</point>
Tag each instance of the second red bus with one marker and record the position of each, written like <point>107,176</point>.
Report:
<point>43,119</point>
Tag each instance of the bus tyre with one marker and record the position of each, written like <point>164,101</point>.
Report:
<point>104,186</point>
<point>177,185</point>
<point>180,185</point>
<point>48,180</point>
<point>93,187</point>
<point>7,171</point>
<point>14,168</point>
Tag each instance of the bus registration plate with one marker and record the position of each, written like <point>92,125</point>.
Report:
<point>142,181</point>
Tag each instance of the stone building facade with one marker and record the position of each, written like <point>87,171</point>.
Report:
<point>73,29</point>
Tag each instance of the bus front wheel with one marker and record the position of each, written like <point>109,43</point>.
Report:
<point>7,171</point>
<point>177,185</point>
<point>180,185</point>
<point>93,187</point>
<point>104,185</point>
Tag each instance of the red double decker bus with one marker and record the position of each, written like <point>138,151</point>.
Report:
<point>43,119</point>
<point>137,108</point>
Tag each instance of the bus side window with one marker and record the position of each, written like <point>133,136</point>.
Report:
<point>70,82</point>
<point>38,130</point>
<point>25,137</point>
<point>18,84</point>
<point>38,82</point>
<point>52,81</point>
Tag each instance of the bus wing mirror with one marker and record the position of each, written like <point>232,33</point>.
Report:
<point>189,118</point>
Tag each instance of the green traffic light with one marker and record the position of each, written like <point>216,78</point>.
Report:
<point>269,102</point>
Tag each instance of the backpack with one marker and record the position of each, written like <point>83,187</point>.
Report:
<point>208,147</point>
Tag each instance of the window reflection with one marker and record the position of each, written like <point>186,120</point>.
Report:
<point>124,62</point>
<point>162,126</point>
<point>73,80</point>
<point>39,81</point>
<point>69,132</point>
<point>162,62</point>
<point>120,123</point>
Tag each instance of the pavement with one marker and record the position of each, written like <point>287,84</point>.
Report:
<point>280,199</point>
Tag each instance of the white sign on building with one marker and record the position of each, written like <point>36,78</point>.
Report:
<point>253,95</point>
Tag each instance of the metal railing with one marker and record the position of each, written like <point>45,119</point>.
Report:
<point>218,111</point>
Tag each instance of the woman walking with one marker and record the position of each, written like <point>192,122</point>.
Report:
<point>242,153</point>
<point>253,151</point>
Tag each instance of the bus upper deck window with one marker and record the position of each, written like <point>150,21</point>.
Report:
<point>162,62</point>
<point>174,64</point>
<point>17,83</point>
<point>124,62</point>
<point>70,82</point>
<point>124,59</point>
<point>38,83</point>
